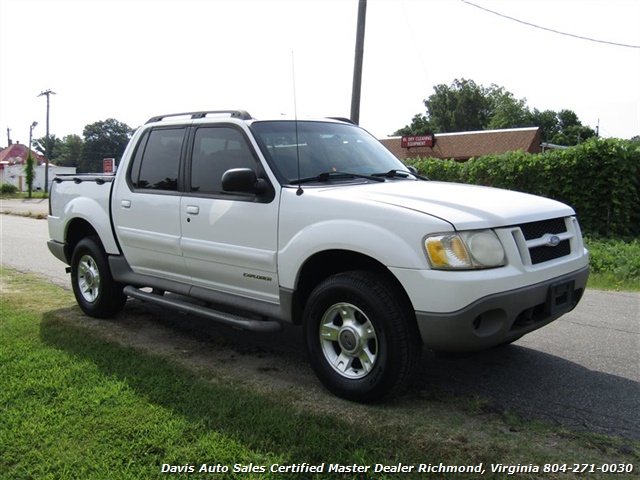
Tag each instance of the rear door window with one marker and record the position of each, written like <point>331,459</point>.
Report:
<point>157,161</point>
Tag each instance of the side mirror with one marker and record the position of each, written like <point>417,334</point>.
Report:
<point>243,180</point>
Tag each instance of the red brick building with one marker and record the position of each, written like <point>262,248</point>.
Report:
<point>462,146</point>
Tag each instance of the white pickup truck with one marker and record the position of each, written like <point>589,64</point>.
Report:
<point>256,223</point>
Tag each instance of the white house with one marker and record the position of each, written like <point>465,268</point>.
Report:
<point>12,163</point>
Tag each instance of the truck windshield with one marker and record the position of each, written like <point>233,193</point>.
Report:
<point>321,148</point>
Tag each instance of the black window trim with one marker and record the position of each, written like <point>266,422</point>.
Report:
<point>184,167</point>
<point>260,172</point>
<point>144,138</point>
<point>142,144</point>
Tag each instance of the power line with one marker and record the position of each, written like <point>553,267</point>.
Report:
<point>550,29</point>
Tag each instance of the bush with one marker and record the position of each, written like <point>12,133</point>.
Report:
<point>600,179</point>
<point>622,259</point>
<point>8,188</point>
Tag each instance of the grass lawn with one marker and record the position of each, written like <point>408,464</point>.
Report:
<point>75,405</point>
<point>34,194</point>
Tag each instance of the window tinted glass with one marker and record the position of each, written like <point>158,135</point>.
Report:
<point>316,147</point>
<point>161,160</point>
<point>216,150</point>
<point>137,160</point>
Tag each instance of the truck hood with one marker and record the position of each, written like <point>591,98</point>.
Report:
<point>464,206</point>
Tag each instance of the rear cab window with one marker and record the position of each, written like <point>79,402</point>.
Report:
<point>156,162</point>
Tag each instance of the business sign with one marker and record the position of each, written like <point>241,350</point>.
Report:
<point>418,141</point>
<point>108,165</point>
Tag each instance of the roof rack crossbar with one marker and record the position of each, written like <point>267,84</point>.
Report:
<point>241,114</point>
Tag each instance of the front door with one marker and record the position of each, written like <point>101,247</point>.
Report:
<point>229,241</point>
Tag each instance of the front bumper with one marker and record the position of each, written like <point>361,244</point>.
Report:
<point>502,317</point>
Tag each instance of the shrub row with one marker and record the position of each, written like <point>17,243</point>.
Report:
<point>600,179</point>
<point>622,259</point>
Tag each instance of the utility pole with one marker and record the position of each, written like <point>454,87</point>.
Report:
<point>29,169</point>
<point>48,145</point>
<point>8,137</point>
<point>357,68</point>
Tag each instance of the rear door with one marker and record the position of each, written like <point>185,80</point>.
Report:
<point>229,241</point>
<point>146,211</point>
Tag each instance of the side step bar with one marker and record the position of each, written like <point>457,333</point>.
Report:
<point>263,326</point>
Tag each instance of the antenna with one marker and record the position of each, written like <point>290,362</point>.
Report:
<point>295,113</point>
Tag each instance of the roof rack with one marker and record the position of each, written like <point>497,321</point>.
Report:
<point>342,119</point>
<point>241,114</point>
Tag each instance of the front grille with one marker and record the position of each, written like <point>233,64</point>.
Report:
<point>539,250</point>
<point>539,229</point>
<point>544,254</point>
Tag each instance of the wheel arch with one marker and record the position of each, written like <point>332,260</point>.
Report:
<point>77,229</point>
<point>326,263</point>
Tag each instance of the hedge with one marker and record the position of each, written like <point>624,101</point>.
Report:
<point>8,188</point>
<point>600,179</point>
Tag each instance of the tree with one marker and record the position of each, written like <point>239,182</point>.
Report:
<point>507,111</point>
<point>419,126</point>
<point>52,145</point>
<point>561,128</point>
<point>570,130</point>
<point>70,151</point>
<point>104,139</point>
<point>547,121</point>
<point>465,106</point>
<point>30,172</point>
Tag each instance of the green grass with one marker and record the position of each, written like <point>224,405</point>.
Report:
<point>34,194</point>
<point>76,405</point>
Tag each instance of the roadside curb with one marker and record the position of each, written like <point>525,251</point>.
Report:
<point>29,207</point>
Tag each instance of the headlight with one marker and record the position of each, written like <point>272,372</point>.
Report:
<point>464,250</point>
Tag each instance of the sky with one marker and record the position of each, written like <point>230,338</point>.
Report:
<point>133,59</point>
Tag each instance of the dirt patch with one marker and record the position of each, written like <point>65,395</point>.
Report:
<point>270,363</point>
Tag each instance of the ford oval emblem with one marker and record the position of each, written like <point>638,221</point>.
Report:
<point>553,240</point>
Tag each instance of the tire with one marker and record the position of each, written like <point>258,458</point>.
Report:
<point>361,337</point>
<point>97,294</point>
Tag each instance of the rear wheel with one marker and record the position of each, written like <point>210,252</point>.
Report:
<point>97,294</point>
<point>361,336</point>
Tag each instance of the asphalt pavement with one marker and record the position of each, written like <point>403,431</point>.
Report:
<point>582,371</point>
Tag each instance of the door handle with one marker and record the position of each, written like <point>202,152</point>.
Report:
<point>126,203</point>
<point>193,209</point>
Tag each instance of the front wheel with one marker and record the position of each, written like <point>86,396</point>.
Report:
<point>97,294</point>
<point>361,336</point>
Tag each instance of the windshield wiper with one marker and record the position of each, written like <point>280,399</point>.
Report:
<point>398,174</point>
<point>325,176</point>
